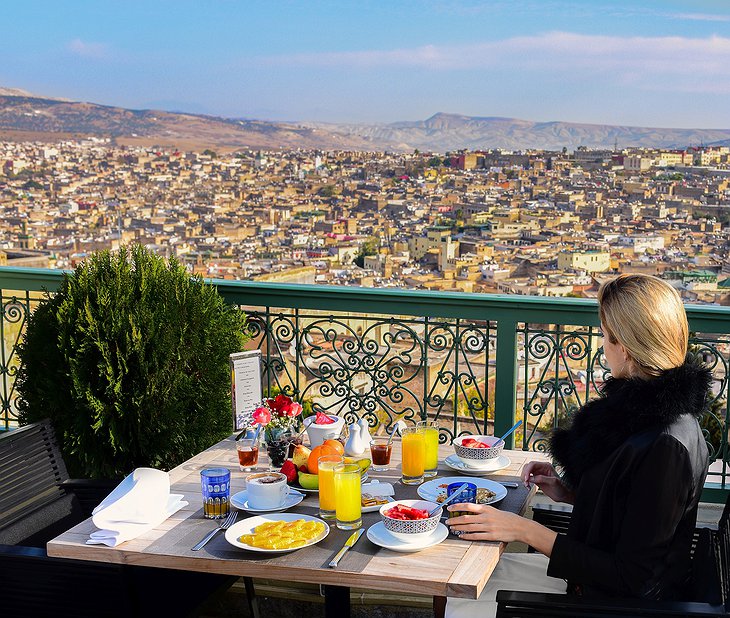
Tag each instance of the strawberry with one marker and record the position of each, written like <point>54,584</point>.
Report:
<point>290,470</point>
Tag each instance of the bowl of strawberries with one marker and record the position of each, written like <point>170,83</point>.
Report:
<point>477,450</point>
<point>408,520</point>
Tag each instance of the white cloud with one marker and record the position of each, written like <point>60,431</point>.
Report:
<point>556,52</point>
<point>87,49</point>
<point>697,16</point>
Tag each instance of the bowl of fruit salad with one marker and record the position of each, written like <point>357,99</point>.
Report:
<point>408,520</point>
<point>475,451</point>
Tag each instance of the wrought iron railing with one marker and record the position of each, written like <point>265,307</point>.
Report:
<point>475,363</point>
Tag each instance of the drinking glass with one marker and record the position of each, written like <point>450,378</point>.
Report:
<point>215,484</point>
<point>413,452</point>
<point>467,495</point>
<point>327,503</point>
<point>348,496</point>
<point>380,450</point>
<point>248,453</point>
<point>277,447</point>
<point>431,438</point>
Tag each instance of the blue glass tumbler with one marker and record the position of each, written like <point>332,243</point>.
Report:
<point>467,495</point>
<point>216,486</point>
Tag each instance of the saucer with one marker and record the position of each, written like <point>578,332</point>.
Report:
<point>378,534</point>
<point>498,463</point>
<point>240,501</point>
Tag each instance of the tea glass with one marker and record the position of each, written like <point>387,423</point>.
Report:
<point>431,439</point>
<point>380,450</point>
<point>215,484</point>
<point>467,495</point>
<point>348,496</point>
<point>327,502</point>
<point>413,452</point>
<point>248,453</point>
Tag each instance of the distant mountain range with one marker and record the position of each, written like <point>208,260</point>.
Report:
<point>24,116</point>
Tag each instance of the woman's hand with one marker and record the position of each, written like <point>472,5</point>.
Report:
<point>546,478</point>
<point>479,522</point>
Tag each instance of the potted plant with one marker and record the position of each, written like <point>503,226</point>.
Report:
<point>129,359</point>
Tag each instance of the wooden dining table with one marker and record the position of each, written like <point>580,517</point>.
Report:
<point>453,568</point>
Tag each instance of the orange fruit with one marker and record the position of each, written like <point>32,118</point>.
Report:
<point>317,452</point>
<point>335,444</point>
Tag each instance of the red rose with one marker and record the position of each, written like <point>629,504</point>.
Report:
<point>280,405</point>
<point>295,409</point>
<point>262,416</point>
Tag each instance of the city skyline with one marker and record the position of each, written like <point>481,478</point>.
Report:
<point>633,63</point>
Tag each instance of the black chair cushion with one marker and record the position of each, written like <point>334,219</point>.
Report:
<point>41,525</point>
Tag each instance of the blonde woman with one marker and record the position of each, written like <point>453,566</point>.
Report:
<point>633,465</point>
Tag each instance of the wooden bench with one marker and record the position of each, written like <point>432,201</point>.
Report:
<point>711,574</point>
<point>38,502</point>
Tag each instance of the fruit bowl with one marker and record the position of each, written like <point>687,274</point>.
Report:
<point>410,530</point>
<point>477,455</point>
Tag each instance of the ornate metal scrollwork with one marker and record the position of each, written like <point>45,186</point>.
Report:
<point>379,368</point>
<point>557,372</point>
<point>13,318</point>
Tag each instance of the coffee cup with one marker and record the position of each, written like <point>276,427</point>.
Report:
<point>266,490</point>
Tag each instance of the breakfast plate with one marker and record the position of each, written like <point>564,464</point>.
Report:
<point>378,534</point>
<point>430,490</point>
<point>240,501</point>
<point>492,465</point>
<point>247,526</point>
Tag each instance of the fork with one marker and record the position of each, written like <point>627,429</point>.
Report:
<point>227,523</point>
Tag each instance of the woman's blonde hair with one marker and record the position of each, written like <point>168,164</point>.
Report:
<point>646,316</point>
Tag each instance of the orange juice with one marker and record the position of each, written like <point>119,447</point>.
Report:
<point>348,496</point>
<point>414,455</point>
<point>327,465</point>
<point>431,437</point>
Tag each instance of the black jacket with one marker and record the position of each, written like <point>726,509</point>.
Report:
<point>637,461</point>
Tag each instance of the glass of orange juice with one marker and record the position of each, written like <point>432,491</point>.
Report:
<point>431,437</point>
<point>413,454</point>
<point>326,465</point>
<point>348,496</point>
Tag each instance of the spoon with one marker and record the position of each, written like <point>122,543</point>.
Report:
<point>509,431</point>
<point>400,425</point>
<point>449,499</point>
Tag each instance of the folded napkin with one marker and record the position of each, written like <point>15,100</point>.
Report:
<point>378,489</point>
<point>139,503</point>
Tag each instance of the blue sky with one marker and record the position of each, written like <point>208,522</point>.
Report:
<point>663,63</point>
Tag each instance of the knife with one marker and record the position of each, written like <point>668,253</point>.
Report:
<point>348,543</point>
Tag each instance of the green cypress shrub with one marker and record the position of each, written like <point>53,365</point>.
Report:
<point>129,359</point>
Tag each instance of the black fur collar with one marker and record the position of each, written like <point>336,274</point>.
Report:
<point>629,406</point>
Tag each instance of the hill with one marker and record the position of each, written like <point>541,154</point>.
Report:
<point>28,117</point>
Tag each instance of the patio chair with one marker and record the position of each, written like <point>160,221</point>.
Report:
<point>711,580</point>
<point>37,503</point>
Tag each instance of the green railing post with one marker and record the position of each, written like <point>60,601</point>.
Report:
<point>505,387</point>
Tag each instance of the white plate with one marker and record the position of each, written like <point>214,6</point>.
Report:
<point>247,525</point>
<point>430,489</point>
<point>378,534</point>
<point>240,501</point>
<point>498,463</point>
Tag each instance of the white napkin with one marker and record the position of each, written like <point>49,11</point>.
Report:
<point>378,489</point>
<point>139,503</point>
